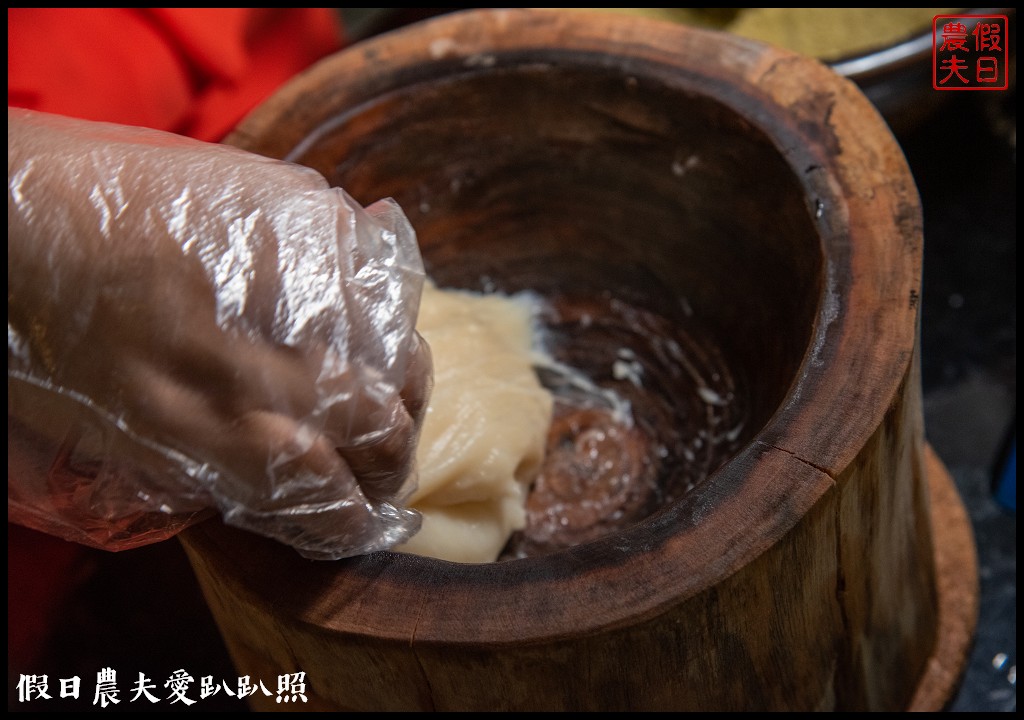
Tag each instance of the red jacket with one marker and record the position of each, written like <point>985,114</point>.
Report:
<point>193,71</point>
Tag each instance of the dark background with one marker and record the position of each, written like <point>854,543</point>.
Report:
<point>141,611</point>
<point>966,171</point>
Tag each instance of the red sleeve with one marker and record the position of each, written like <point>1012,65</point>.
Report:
<point>194,71</point>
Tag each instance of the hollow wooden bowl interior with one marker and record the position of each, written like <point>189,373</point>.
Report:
<point>740,192</point>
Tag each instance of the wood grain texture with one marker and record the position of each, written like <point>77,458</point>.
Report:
<point>574,154</point>
<point>958,586</point>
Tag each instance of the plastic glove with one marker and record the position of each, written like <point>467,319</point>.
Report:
<point>191,326</point>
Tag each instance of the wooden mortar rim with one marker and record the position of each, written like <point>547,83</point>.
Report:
<point>871,228</point>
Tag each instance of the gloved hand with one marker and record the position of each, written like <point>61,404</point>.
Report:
<point>191,326</point>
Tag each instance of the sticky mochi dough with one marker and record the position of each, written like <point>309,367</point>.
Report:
<point>486,425</point>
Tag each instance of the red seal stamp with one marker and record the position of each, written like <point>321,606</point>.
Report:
<point>970,52</point>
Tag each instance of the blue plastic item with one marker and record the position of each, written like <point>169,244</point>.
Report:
<point>1006,486</point>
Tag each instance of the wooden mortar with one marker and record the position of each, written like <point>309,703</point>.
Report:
<point>746,193</point>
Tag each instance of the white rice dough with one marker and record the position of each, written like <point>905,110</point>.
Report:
<point>486,425</point>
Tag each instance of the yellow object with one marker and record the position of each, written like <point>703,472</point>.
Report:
<point>824,33</point>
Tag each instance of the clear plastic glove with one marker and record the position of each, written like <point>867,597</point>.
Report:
<point>191,326</point>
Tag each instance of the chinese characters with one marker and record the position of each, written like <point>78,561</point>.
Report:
<point>969,52</point>
<point>178,688</point>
